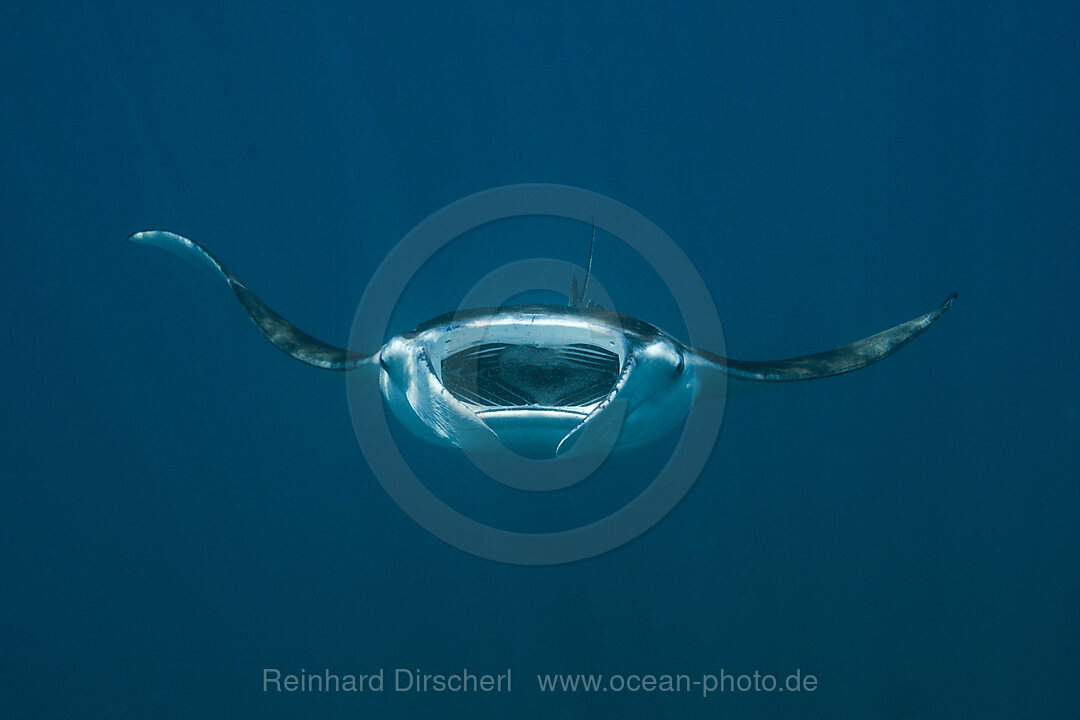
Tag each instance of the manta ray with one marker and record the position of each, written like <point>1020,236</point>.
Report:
<point>532,378</point>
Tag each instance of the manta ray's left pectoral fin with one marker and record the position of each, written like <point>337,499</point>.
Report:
<point>284,335</point>
<point>848,358</point>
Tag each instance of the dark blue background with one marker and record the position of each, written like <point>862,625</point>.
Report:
<point>182,506</point>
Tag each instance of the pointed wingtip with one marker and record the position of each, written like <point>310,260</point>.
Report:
<point>184,248</point>
<point>942,308</point>
<point>148,237</point>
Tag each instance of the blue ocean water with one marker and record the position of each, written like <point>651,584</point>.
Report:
<point>183,507</point>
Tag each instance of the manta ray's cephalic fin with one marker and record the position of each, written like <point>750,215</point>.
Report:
<point>277,329</point>
<point>841,360</point>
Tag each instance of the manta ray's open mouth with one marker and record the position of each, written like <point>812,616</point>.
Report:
<point>518,375</point>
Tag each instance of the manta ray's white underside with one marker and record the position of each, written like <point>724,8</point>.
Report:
<point>532,378</point>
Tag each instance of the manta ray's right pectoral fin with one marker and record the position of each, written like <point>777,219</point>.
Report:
<point>277,329</point>
<point>841,360</point>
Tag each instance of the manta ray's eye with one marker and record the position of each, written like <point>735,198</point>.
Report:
<point>682,364</point>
